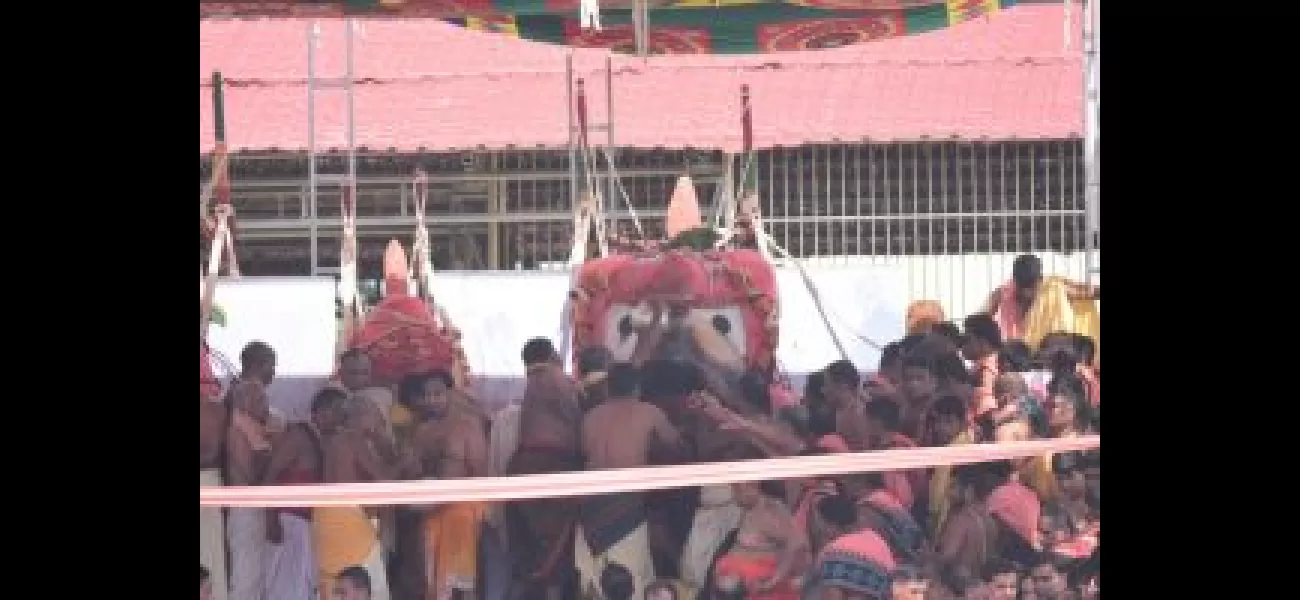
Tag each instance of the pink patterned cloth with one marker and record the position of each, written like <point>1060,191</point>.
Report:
<point>1018,507</point>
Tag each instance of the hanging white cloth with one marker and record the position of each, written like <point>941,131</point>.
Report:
<point>589,14</point>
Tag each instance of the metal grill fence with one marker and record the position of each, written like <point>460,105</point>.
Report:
<point>951,214</point>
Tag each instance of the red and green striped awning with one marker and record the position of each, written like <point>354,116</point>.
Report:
<point>675,26</point>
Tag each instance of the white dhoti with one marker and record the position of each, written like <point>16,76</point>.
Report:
<point>246,538</point>
<point>715,519</point>
<point>291,564</point>
<point>212,537</point>
<point>377,566</point>
<point>633,552</point>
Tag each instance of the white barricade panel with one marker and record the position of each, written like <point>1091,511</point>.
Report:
<point>865,304</point>
<point>496,314</point>
<point>296,316</point>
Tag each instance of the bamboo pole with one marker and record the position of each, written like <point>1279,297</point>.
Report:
<point>222,239</point>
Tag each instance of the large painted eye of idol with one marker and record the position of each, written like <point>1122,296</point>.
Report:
<point>715,335</point>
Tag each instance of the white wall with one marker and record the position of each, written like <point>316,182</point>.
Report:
<point>295,315</point>
<point>865,298</point>
<point>961,283</point>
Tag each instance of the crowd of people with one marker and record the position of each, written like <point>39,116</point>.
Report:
<point>1021,529</point>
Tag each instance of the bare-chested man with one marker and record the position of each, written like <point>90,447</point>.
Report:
<point>347,535</point>
<point>298,458</point>
<point>372,405</point>
<point>370,412</point>
<point>549,420</point>
<point>968,541</point>
<point>449,444</point>
<point>770,550</point>
<point>593,368</point>
<point>843,390</point>
<point>247,450</point>
<point>620,433</point>
<point>212,531</point>
<point>754,423</point>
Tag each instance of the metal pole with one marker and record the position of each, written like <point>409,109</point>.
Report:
<point>640,27</point>
<point>1091,135</point>
<point>311,147</point>
<point>568,95</point>
<point>611,184</point>
<point>352,124</point>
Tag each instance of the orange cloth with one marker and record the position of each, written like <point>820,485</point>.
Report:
<point>751,570</point>
<point>922,315</point>
<point>451,547</point>
<point>345,536</point>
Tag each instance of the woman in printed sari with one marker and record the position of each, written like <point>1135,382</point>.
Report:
<point>889,518</point>
<point>967,544</point>
<point>768,553</point>
<point>947,427</point>
<point>1073,529</point>
<point>1016,511</point>
<point>1068,416</point>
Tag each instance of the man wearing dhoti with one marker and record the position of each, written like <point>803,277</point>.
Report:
<point>550,417</point>
<point>247,450</point>
<point>212,532</point>
<point>716,518</point>
<point>498,562</point>
<point>348,536</point>
<point>371,411</point>
<point>298,458</point>
<point>448,444</point>
<point>618,434</point>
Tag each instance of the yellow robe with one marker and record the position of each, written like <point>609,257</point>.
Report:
<point>941,484</point>
<point>1053,310</point>
<point>451,536</point>
<point>345,536</point>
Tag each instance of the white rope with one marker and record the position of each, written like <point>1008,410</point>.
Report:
<point>206,195</point>
<point>604,481</point>
<point>208,288</point>
<point>622,193</point>
<point>724,200</point>
<point>422,255</point>
<point>348,251</point>
<point>822,311</point>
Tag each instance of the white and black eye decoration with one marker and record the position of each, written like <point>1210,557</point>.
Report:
<point>728,323</point>
<point>622,329</point>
